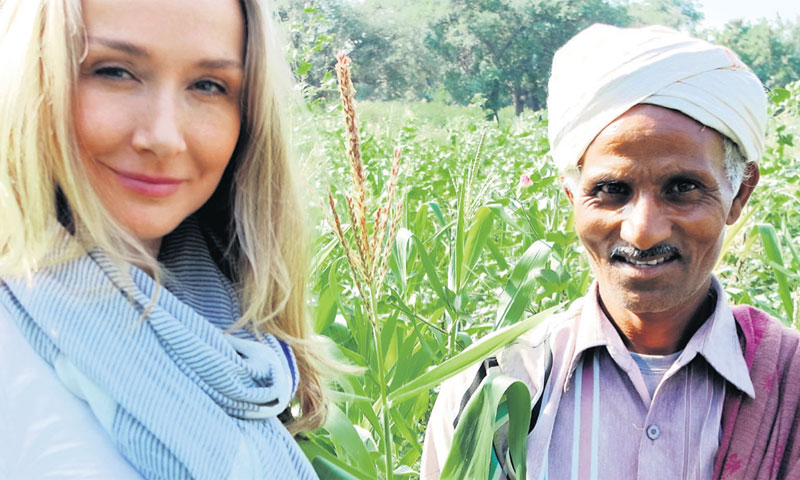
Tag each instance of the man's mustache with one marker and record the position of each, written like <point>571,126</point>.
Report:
<point>636,254</point>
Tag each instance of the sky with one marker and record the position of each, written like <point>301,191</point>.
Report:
<point>718,12</point>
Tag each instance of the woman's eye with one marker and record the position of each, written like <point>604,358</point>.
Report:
<point>212,87</point>
<point>117,73</point>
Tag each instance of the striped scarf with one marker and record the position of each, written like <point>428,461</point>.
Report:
<point>178,397</point>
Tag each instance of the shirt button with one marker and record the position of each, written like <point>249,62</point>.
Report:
<point>653,432</point>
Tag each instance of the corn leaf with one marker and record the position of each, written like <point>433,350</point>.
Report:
<point>476,352</point>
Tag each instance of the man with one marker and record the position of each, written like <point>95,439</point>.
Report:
<point>653,375</point>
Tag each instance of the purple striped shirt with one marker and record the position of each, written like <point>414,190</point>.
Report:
<point>598,420</point>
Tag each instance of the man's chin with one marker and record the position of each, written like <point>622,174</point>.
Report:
<point>653,299</point>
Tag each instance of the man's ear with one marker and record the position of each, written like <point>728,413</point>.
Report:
<point>751,176</point>
<point>565,186</point>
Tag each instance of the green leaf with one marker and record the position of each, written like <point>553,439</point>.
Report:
<point>522,284</point>
<point>477,352</point>
<point>401,252</point>
<point>457,246</point>
<point>772,247</point>
<point>401,424</point>
<point>314,452</point>
<point>365,406</point>
<point>477,236</point>
<point>321,260</point>
<point>495,251</point>
<point>347,442</point>
<point>428,266</point>
<point>732,233</point>
<point>326,310</point>
<point>326,469</point>
<point>303,68</point>
<point>471,452</point>
<point>437,212</point>
<point>779,95</point>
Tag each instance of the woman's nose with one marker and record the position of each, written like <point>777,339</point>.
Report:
<point>161,131</point>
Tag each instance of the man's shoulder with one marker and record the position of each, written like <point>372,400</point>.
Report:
<point>770,347</point>
<point>757,325</point>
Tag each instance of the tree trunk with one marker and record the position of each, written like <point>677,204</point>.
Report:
<point>519,102</point>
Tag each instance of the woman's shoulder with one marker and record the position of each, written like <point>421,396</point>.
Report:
<point>47,431</point>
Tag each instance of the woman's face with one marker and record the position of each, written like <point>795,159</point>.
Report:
<point>157,108</point>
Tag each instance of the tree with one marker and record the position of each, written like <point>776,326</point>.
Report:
<point>678,14</point>
<point>502,49</point>
<point>772,50</point>
<point>383,37</point>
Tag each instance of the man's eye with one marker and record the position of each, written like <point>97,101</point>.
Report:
<point>682,187</point>
<point>613,188</point>
<point>116,73</point>
<point>210,86</point>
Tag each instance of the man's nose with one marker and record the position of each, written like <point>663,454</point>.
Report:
<point>645,224</point>
<point>160,132</point>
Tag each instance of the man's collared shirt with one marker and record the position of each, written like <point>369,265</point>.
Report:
<point>598,420</point>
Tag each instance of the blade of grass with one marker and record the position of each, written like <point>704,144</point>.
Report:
<point>477,236</point>
<point>314,451</point>
<point>347,442</point>
<point>470,455</point>
<point>732,233</point>
<point>771,243</point>
<point>477,351</point>
<point>522,283</point>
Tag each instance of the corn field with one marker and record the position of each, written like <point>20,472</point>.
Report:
<point>437,226</point>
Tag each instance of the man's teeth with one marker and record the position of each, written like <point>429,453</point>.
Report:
<point>650,263</point>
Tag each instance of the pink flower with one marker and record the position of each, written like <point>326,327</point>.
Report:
<point>525,181</point>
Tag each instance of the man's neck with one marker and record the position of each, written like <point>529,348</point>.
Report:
<point>660,333</point>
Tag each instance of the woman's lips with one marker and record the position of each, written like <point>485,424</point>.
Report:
<point>147,185</point>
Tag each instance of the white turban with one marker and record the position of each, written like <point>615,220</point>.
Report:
<point>604,71</point>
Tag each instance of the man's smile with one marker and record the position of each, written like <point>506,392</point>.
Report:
<point>645,258</point>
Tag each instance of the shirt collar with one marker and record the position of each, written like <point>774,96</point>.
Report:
<point>716,340</point>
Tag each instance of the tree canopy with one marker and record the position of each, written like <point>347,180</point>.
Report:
<point>493,52</point>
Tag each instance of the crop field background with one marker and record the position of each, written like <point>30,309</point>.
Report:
<point>485,241</point>
<point>476,237</point>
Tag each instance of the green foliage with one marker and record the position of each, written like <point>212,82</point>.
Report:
<point>479,252</point>
<point>473,437</point>
<point>678,14</point>
<point>762,251</point>
<point>503,49</point>
<point>492,53</point>
<point>311,37</point>
<point>771,49</point>
<point>476,254</point>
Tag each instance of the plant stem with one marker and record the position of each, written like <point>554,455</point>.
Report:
<point>387,432</point>
<point>451,339</point>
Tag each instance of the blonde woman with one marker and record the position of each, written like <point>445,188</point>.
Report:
<point>152,253</point>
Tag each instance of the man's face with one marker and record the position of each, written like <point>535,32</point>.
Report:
<point>651,205</point>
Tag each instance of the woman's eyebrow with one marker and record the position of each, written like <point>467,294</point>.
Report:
<point>220,64</point>
<point>122,46</point>
<point>138,51</point>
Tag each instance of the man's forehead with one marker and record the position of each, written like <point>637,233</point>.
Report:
<point>652,137</point>
<point>652,117</point>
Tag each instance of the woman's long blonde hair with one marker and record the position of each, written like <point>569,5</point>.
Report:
<point>255,210</point>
